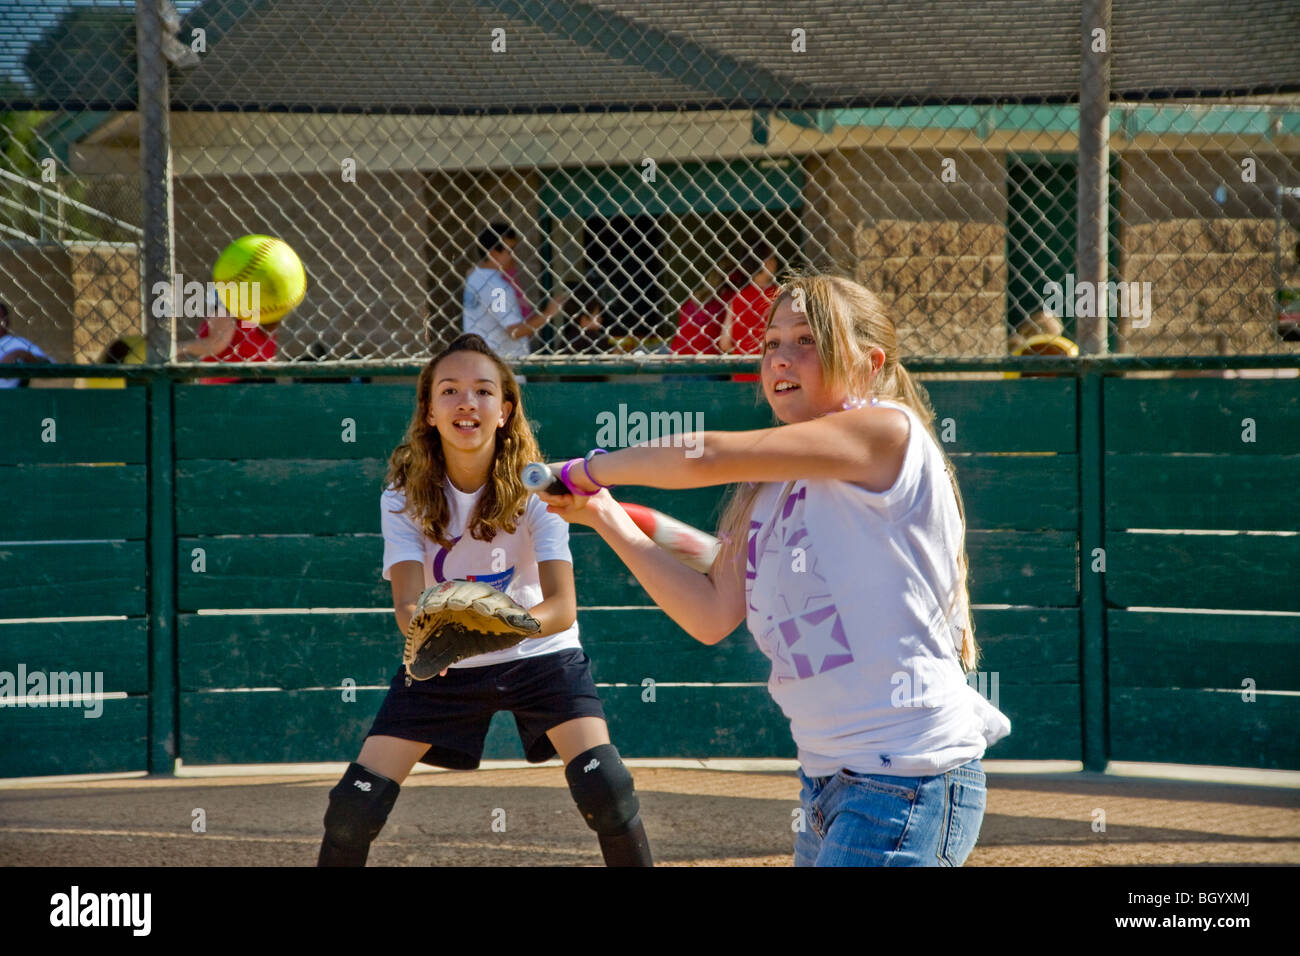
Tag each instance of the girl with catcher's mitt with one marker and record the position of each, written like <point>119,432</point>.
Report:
<point>464,542</point>
<point>843,550</point>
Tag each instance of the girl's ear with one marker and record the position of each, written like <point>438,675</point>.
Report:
<point>507,409</point>
<point>876,361</point>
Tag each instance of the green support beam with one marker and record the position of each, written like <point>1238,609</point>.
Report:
<point>1092,588</point>
<point>163,712</point>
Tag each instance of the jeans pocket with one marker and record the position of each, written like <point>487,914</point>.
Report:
<point>879,783</point>
<point>967,798</point>
<point>867,819</point>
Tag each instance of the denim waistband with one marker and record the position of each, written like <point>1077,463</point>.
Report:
<point>972,769</point>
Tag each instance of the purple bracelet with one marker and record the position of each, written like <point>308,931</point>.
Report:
<point>587,471</point>
<point>564,477</point>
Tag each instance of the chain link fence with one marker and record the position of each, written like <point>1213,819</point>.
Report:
<point>1122,175</point>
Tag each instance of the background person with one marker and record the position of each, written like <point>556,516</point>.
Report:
<point>746,315</point>
<point>1039,334</point>
<point>526,309</point>
<point>223,337</point>
<point>1042,323</point>
<point>16,350</point>
<point>585,333</point>
<point>699,320</point>
<point>491,303</point>
<point>123,350</point>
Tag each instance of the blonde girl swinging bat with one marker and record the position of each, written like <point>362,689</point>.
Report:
<point>843,551</point>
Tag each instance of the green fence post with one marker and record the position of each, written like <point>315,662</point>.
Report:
<point>164,732</point>
<point>1092,592</point>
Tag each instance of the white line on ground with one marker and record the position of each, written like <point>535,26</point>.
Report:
<point>1289,779</point>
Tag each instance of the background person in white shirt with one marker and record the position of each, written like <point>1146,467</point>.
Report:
<point>844,553</point>
<point>491,305</point>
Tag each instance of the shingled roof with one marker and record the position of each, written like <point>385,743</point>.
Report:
<point>345,55</point>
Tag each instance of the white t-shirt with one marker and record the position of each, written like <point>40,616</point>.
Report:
<point>508,562</point>
<point>490,308</point>
<point>16,343</point>
<point>847,593</point>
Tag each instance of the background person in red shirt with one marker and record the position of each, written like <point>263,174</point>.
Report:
<point>224,338</point>
<point>742,328</point>
<point>699,320</point>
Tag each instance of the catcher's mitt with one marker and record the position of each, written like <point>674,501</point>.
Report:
<point>459,619</point>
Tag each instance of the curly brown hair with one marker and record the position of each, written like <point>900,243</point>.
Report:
<point>417,466</point>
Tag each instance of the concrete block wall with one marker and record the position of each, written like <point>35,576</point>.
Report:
<point>1213,285</point>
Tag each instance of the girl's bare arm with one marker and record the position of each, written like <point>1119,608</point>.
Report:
<point>407,579</point>
<point>706,607</point>
<point>559,607</point>
<point>865,446</point>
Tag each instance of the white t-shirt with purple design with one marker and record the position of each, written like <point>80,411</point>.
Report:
<point>847,594</point>
<point>508,562</point>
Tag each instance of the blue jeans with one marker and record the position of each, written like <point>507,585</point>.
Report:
<point>854,819</point>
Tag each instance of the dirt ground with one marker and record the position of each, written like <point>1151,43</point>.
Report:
<point>525,817</point>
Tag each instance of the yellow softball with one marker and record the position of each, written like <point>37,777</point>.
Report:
<point>260,279</point>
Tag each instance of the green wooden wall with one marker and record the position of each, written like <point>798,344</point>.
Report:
<point>1014,447</point>
<point>72,545</point>
<point>274,496</point>
<point>1201,512</point>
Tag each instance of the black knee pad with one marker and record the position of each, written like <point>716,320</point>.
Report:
<point>602,788</point>
<point>359,806</point>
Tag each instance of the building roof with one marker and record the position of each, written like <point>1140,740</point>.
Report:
<point>405,55</point>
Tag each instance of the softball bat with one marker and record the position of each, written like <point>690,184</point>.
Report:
<point>694,548</point>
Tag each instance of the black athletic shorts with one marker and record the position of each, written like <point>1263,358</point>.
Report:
<point>452,713</point>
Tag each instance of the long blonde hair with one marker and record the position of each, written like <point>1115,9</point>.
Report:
<point>417,466</point>
<point>848,320</point>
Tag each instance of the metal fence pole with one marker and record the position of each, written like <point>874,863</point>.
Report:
<point>157,267</point>
<point>155,174</point>
<point>1094,163</point>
